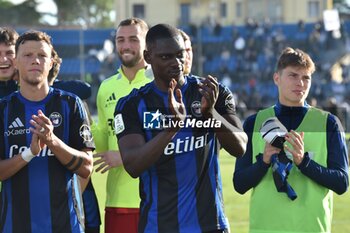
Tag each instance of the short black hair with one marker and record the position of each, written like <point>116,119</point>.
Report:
<point>160,31</point>
<point>184,35</point>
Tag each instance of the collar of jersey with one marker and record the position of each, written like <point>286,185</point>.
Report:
<point>140,75</point>
<point>165,93</point>
<point>29,102</point>
<point>287,110</point>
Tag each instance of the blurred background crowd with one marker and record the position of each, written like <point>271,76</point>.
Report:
<point>241,53</point>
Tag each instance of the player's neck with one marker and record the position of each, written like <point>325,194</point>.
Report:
<point>130,72</point>
<point>34,92</point>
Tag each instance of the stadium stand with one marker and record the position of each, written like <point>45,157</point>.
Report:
<point>244,54</point>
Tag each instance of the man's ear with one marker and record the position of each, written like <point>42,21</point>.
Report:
<point>276,77</point>
<point>15,63</point>
<point>147,56</point>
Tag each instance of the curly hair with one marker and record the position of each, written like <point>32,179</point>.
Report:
<point>56,65</point>
<point>8,36</point>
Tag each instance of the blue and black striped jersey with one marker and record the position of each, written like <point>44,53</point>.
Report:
<point>182,191</point>
<point>42,196</point>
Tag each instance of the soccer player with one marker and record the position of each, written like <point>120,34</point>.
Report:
<point>122,201</point>
<point>8,84</point>
<point>8,39</point>
<point>45,142</point>
<point>315,152</point>
<point>83,90</point>
<point>170,132</point>
<point>189,52</point>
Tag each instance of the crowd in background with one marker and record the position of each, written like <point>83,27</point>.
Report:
<point>243,58</point>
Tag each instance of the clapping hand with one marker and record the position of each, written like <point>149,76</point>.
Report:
<point>42,131</point>
<point>176,105</point>
<point>209,88</point>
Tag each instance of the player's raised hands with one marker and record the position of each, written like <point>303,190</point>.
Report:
<point>209,88</point>
<point>42,127</point>
<point>176,104</point>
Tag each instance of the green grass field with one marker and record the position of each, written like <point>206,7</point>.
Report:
<point>237,206</point>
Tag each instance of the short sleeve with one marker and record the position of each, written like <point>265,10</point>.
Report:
<point>126,118</point>
<point>80,130</point>
<point>225,103</point>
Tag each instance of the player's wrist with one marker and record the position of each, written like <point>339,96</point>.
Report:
<point>27,155</point>
<point>53,141</point>
<point>209,113</point>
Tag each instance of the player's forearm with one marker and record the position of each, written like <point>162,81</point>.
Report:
<point>333,179</point>
<point>248,175</point>
<point>232,138</point>
<point>79,162</point>
<point>10,167</point>
<point>138,158</point>
<point>83,183</point>
<point>233,142</point>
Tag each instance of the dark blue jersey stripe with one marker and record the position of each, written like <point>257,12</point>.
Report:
<point>188,214</point>
<point>167,200</point>
<point>65,129</point>
<point>7,189</point>
<point>91,209</point>
<point>40,201</point>
<point>20,202</point>
<point>5,226</point>
<point>20,181</point>
<point>146,196</point>
<point>152,214</point>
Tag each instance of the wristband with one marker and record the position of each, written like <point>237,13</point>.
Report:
<point>27,155</point>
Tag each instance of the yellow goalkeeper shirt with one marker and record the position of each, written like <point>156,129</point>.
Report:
<point>122,190</point>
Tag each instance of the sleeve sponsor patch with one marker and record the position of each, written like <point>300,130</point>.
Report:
<point>118,124</point>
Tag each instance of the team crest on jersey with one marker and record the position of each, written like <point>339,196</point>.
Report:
<point>196,108</point>
<point>85,133</point>
<point>56,119</point>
